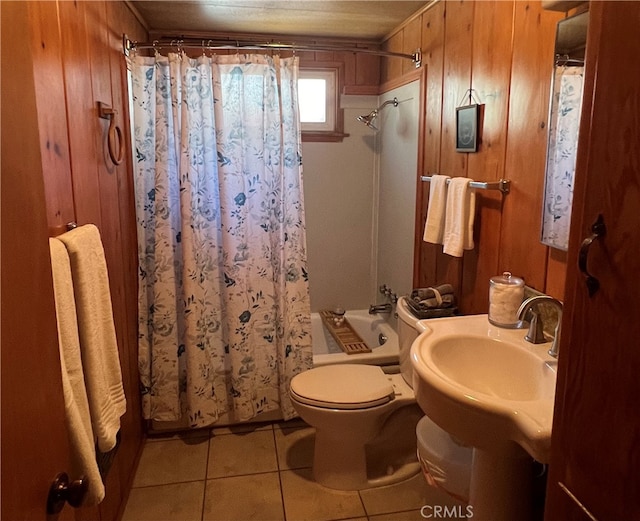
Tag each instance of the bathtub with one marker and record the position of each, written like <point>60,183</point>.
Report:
<point>326,350</point>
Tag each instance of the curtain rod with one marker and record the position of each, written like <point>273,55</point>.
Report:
<point>212,44</point>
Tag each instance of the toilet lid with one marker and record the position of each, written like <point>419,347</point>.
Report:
<point>344,386</point>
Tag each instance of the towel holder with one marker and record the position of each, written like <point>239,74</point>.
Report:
<point>114,138</point>
<point>504,185</point>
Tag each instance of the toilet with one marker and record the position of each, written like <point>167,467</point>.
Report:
<point>364,418</point>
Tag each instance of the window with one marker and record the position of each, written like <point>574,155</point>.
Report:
<point>318,97</point>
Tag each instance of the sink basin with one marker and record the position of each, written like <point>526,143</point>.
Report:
<point>485,385</point>
<point>480,364</point>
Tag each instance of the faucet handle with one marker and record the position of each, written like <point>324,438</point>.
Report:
<point>535,335</point>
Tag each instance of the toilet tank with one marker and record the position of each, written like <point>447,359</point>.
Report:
<point>407,333</point>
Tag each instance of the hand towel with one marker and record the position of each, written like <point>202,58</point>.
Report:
<point>419,294</point>
<point>437,297</point>
<point>434,225</point>
<point>98,343</point>
<point>78,420</point>
<point>445,301</point>
<point>460,213</point>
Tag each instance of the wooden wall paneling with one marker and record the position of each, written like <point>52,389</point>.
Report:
<point>110,216</point>
<point>81,112</point>
<point>100,79</point>
<point>325,56</point>
<point>556,273</point>
<point>492,43</point>
<point>367,73</point>
<point>107,174</point>
<point>456,81</point>
<point>391,68</point>
<point>520,249</point>
<point>433,33</point>
<point>361,71</point>
<point>411,40</point>
<point>349,70</point>
<point>307,56</point>
<point>491,71</point>
<point>52,122</point>
<point>433,29</point>
<point>120,19</point>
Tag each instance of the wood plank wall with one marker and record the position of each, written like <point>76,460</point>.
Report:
<point>361,71</point>
<point>78,61</point>
<point>504,51</point>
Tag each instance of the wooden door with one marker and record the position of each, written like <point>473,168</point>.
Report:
<point>595,464</point>
<point>34,440</point>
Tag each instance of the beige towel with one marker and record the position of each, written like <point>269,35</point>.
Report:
<point>78,419</point>
<point>434,225</point>
<point>461,209</point>
<point>98,344</point>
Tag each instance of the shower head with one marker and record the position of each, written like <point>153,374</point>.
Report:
<point>369,118</point>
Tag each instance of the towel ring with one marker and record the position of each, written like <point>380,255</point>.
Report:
<point>114,136</point>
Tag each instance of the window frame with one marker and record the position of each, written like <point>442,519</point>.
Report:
<point>327,69</point>
<point>330,78</point>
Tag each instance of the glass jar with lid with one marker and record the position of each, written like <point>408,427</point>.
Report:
<point>506,293</point>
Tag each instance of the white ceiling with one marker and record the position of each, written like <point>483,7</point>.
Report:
<point>356,19</point>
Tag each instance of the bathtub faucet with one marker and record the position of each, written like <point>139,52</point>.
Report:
<point>379,308</point>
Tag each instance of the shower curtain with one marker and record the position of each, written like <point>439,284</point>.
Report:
<point>564,124</point>
<point>224,315</point>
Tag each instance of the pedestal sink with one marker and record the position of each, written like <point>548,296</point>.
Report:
<point>492,390</point>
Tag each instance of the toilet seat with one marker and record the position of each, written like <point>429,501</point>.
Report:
<point>344,386</point>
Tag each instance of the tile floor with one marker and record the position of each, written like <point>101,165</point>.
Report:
<point>257,472</point>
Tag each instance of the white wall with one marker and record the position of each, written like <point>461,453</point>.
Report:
<point>360,204</point>
<point>397,143</point>
<point>338,188</point>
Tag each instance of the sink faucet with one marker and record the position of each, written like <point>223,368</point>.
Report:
<point>536,327</point>
<point>379,308</point>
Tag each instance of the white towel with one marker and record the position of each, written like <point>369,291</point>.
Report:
<point>78,419</point>
<point>461,209</point>
<point>434,225</point>
<point>98,343</point>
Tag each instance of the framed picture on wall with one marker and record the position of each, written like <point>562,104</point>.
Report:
<point>467,128</point>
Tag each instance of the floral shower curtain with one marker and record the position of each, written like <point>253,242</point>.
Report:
<point>224,316</point>
<point>561,157</point>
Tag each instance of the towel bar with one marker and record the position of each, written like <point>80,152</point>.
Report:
<point>504,185</point>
